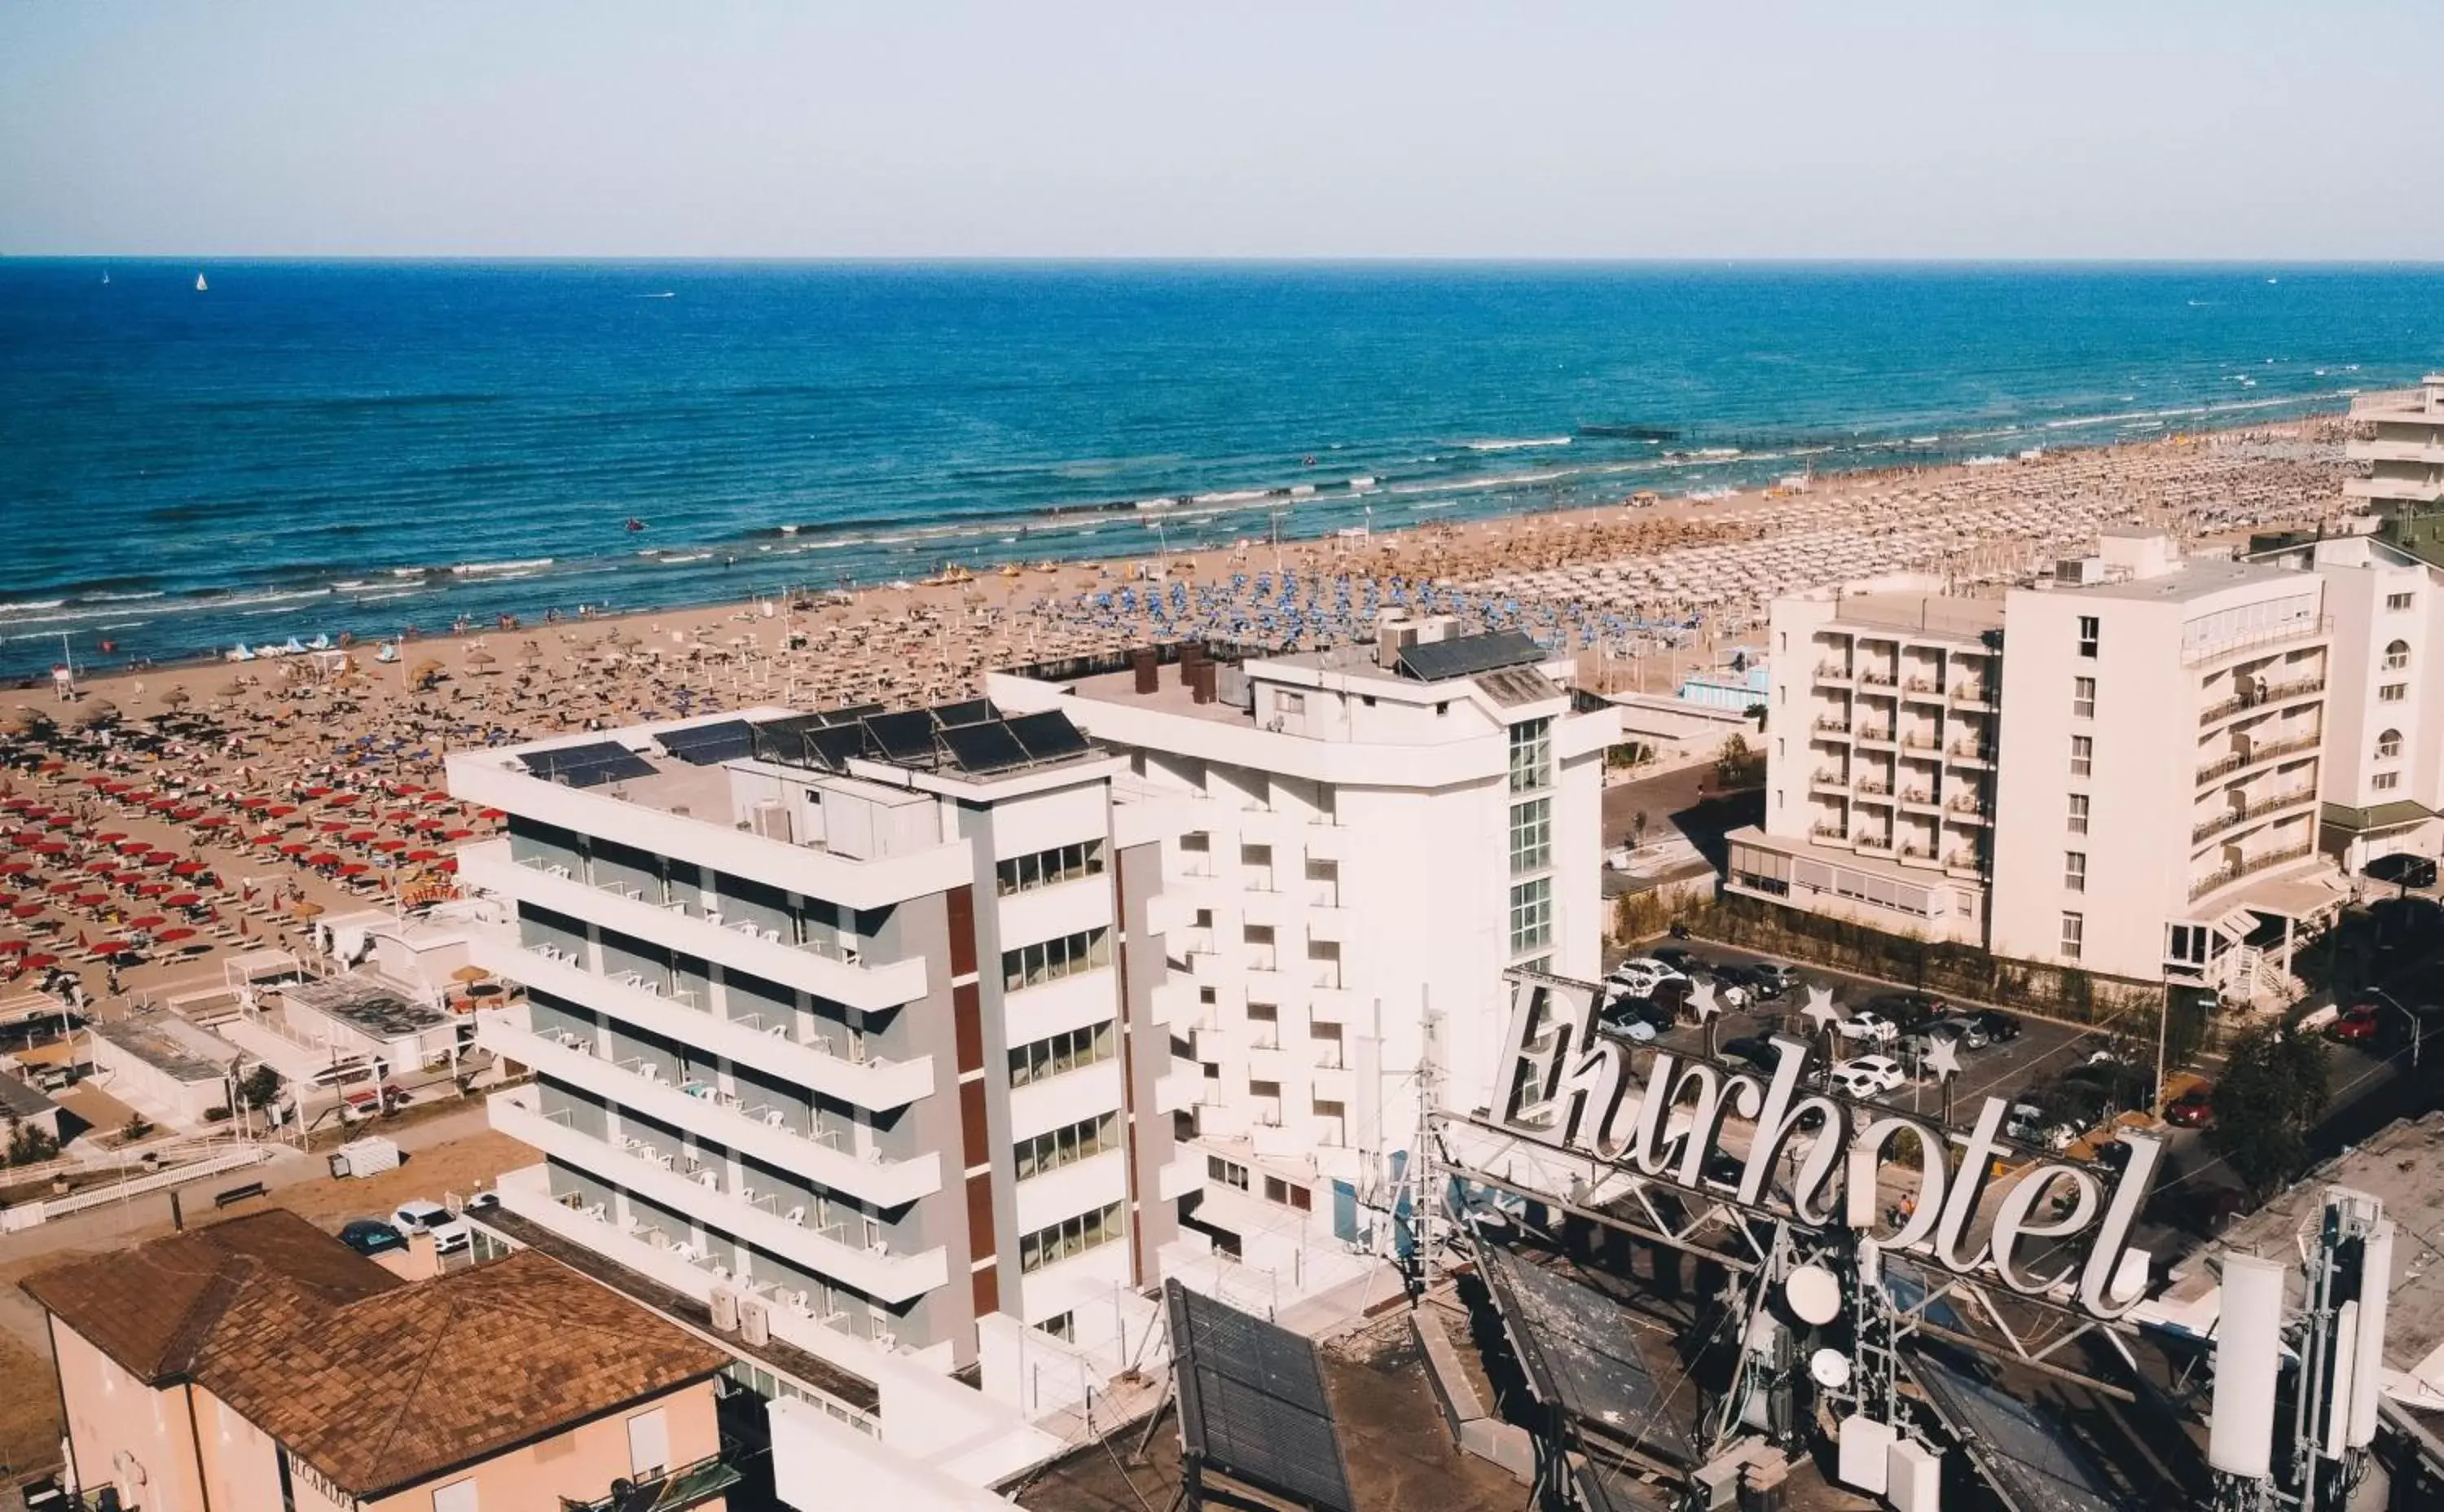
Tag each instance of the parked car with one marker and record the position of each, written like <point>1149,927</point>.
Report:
<point>2403,870</point>
<point>1868,1075</point>
<point>2001,1028</point>
<point>1910,1010</point>
<point>1868,1027</point>
<point>1964,1029</point>
<point>1753,1049</point>
<point>1629,1026</point>
<point>1771,979</point>
<point>1646,976</point>
<point>1679,958</point>
<point>2358,1024</point>
<point>2030,1125</point>
<point>449,1234</point>
<point>371,1236</point>
<point>2194,1109</point>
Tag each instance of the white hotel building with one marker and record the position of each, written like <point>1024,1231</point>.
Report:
<point>838,1040</point>
<point>1355,844</point>
<point>2405,452</point>
<point>2118,769</point>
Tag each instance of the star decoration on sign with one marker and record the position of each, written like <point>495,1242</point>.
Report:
<point>1702,1000</point>
<point>1819,1010</point>
<point>1943,1058</point>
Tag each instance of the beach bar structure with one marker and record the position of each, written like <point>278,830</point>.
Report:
<point>844,1053</point>
<point>164,1066</point>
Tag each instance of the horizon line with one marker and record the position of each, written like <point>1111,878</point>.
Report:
<point>1208,260</point>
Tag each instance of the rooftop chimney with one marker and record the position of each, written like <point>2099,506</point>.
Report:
<point>1202,682</point>
<point>1192,655</point>
<point>1146,668</point>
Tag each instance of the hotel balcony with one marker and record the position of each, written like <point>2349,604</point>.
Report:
<point>1829,832</point>
<point>1875,845</point>
<point>1878,680</point>
<point>1968,811</point>
<point>2429,453</point>
<point>1833,672</point>
<point>2248,866</point>
<point>1922,798</point>
<point>2249,643</point>
<point>1873,789</point>
<point>2257,755</point>
<point>1829,784</point>
<point>1175,1090</point>
<point>2414,490</point>
<point>1831,724</point>
<point>1964,863</point>
<point>2263,808</point>
<point>874,1083</point>
<point>872,1269</point>
<point>1974,696</point>
<point>700,1108</point>
<point>1883,737</point>
<point>2261,699</point>
<point>1972,753</point>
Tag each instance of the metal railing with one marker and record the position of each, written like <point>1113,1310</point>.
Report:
<point>2257,810</point>
<point>2249,867</point>
<point>1833,726</point>
<point>2259,699</point>
<point>1973,693</point>
<point>1877,679</point>
<point>2271,636</point>
<point>2275,751</point>
<point>1973,750</point>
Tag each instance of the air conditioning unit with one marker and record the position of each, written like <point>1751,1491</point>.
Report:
<point>771,818</point>
<point>724,1310</point>
<point>754,1323</point>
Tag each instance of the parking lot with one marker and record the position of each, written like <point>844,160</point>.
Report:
<point>2043,1049</point>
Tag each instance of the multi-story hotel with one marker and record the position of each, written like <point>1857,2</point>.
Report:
<point>838,1038</point>
<point>1355,844</point>
<point>2116,769</point>
<point>2384,769</point>
<point>2405,455</point>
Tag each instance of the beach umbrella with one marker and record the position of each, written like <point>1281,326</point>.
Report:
<point>182,900</point>
<point>187,869</point>
<point>173,936</point>
<point>295,848</point>
<point>149,921</point>
<point>470,975</point>
<point>305,908</point>
<point>175,699</point>
<point>25,910</point>
<point>101,712</point>
<point>37,963</point>
<point>13,946</point>
<point>424,856</point>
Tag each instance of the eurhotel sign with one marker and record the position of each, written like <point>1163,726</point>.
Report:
<point>1574,1089</point>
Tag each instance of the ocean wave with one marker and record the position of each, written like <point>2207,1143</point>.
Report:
<point>475,568</point>
<point>1514,446</point>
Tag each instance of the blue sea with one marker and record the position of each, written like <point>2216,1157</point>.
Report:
<point>310,448</point>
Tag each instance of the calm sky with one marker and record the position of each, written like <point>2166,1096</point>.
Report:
<point>1233,128</point>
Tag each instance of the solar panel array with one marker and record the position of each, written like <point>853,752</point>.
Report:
<point>1252,1402</point>
<point>2019,1446</point>
<point>1436,662</point>
<point>586,765</point>
<point>1578,1349</point>
<point>710,745</point>
<point>972,737</point>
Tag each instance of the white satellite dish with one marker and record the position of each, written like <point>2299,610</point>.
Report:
<point>1830,1367</point>
<point>1814,1296</point>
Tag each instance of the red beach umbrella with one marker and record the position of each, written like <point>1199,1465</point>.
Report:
<point>150,921</point>
<point>36,963</point>
<point>173,936</point>
<point>295,848</point>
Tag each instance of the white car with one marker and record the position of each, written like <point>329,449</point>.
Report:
<point>2026,1125</point>
<point>1869,1074</point>
<point>1869,1025</point>
<point>450,1235</point>
<point>1643,978</point>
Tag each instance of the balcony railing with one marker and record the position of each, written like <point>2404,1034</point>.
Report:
<point>2248,867</point>
<point>1920,685</point>
<point>1871,678</point>
<point>1828,832</point>
<point>1833,726</point>
<point>1970,809</point>
<point>1973,750</point>
<point>689,1485</point>
<point>1825,779</point>
<point>1883,737</point>
<point>1829,672</point>
<point>2257,810</point>
<point>2213,713</point>
<point>1964,860</point>
<point>1972,693</point>
<point>2271,636</point>
<point>1873,787</point>
<point>1917,795</point>
<point>1921,741</point>
<point>1882,844</point>
<point>2274,750</point>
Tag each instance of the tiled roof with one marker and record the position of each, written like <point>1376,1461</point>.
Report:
<point>150,1308</point>
<point>376,1383</point>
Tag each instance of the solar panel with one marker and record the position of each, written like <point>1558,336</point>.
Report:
<point>2018,1445</point>
<point>1252,1403</point>
<point>1049,736</point>
<point>832,749</point>
<point>970,711</point>
<point>710,745</point>
<point>1513,686</point>
<point>851,715</point>
<point>903,737</point>
<point>984,748</point>
<point>1436,662</point>
<point>1578,1349</point>
<point>587,766</point>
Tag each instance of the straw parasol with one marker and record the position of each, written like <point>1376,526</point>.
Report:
<point>305,908</point>
<point>470,975</point>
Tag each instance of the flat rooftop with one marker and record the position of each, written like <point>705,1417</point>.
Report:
<point>366,1003</point>
<point>2196,577</point>
<point>170,1044</point>
<point>18,1101</point>
<point>1925,614</point>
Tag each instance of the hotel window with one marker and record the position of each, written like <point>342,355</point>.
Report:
<point>1332,1117</point>
<point>1070,1237</point>
<point>1265,1026</point>
<point>2074,933</point>
<point>1278,1191</point>
<point>1287,702</point>
<point>2397,600</point>
<point>2385,782</point>
<point>1326,1040</point>
<point>2079,813</point>
<point>1531,914</point>
<point>2392,692</point>
<point>1062,1326</point>
<point>1063,863</point>
<point>2082,755</point>
<point>1531,836</point>
<point>1066,1051</point>
<point>2388,745</point>
<point>2083,698</point>
<point>2088,637</point>
<point>1229,1173</point>
<point>1034,964</point>
<point>1082,1140</point>
<point>2075,870</point>
<point>1531,755</point>
<point>2397,655</point>
<point>458,1496</point>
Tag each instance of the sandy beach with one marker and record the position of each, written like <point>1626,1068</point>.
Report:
<point>179,813</point>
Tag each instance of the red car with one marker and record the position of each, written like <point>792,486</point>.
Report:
<point>2194,1109</point>
<point>2356,1024</point>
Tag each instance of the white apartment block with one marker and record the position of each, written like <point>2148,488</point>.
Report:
<point>2132,790</point>
<point>1355,844</point>
<point>2384,771</point>
<point>2405,456</point>
<point>838,1039</point>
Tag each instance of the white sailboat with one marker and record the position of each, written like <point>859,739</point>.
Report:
<point>201,285</point>
<point>106,275</point>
